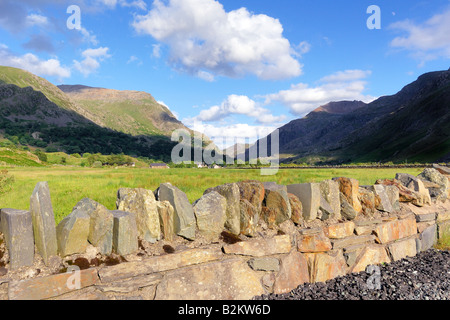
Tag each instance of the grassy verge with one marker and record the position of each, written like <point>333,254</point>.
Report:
<point>443,243</point>
<point>68,185</point>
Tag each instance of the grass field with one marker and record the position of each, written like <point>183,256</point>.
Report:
<point>68,185</point>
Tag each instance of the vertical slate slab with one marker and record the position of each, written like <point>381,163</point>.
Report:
<point>44,225</point>
<point>125,233</point>
<point>309,195</point>
<point>17,227</point>
<point>101,224</point>
<point>184,214</point>
<point>427,239</point>
<point>72,233</point>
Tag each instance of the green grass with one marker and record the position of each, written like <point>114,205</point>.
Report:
<point>68,185</point>
<point>443,243</point>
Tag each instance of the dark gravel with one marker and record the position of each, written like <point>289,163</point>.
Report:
<point>424,277</point>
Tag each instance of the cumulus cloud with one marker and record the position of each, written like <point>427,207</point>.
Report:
<point>228,135</point>
<point>426,41</point>
<point>238,105</point>
<point>36,20</point>
<point>91,61</point>
<point>344,85</point>
<point>202,36</point>
<point>33,64</point>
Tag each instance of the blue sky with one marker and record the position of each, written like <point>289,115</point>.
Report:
<point>230,68</point>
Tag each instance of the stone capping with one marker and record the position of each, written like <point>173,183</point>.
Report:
<point>276,259</point>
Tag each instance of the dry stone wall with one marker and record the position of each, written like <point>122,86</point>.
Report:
<point>238,241</point>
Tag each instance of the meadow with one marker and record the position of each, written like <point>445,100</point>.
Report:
<point>68,185</point>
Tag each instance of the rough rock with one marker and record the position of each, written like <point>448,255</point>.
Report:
<point>427,238</point>
<point>17,228</point>
<point>44,226</point>
<point>371,255</point>
<point>442,169</point>
<point>326,266</point>
<point>249,218</point>
<point>276,198</point>
<point>125,233</point>
<point>309,196</point>
<point>232,194</point>
<point>384,204</point>
<point>432,175</point>
<point>166,219</point>
<point>210,212</point>
<point>184,214</point>
<point>415,184</point>
<point>296,209</point>
<point>347,210</point>
<point>369,201</point>
<point>264,264</point>
<point>405,194</point>
<point>293,272</point>
<point>394,196</point>
<point>316,242</point>
<point>395,230</point>
<point>101,224</point>
<point>340,230</point>
<point>325,210</point>
<point>253,192</point>
<point>142,203</point>
<point>72,233</point>
<point>350,189</point>
<point>402,249</point>
<point>226,280</point>
<point>260,248</point>
<point>329,189</point>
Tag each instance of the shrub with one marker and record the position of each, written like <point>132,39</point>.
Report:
<point>97,164</point>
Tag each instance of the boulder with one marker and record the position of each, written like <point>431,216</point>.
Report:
<point>383,203</point>
<point>142,203</point>
<point>72,233</point>
<point>253,192</point>
<point>210,212</point>
<point>370,255</point>
<point>17,228</point>
<point>184,214</point>
<point>296,209</point>
<point>249,218</point>
<point>125,233</point>
<point>100,226</point>
<point>166,219</point>
<point>44,226</point>
<point>309,196</point>
<point>350,189</point>
<point>232,194</point>
<point>329,189</point>
<point>442,169</point>
<point>442,193</point>
<point>276,198</point>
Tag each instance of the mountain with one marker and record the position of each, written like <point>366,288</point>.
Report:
<point>35,112</point>
<point>131,112</point>
<point>412,125</point>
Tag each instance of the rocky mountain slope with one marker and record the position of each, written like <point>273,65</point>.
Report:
<point>412,125</point>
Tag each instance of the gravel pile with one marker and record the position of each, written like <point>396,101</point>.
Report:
<point>424,277</point>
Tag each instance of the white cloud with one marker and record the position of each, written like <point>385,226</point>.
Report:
<point>202,36</point>
<point>426,41</point>
<point>302,98</point>
<point>36,20</point>
<point>123,3</point>
<point>238,105</point>
<point>91,61</point>
<point>32,63</point>
<point>226,136</point>
<point>156,50</point>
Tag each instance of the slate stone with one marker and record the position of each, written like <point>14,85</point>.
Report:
<point>252,191</point>
<point>264,264</point>
<point>276,198</point>
<point>249,218</point>
<point>350,189</point>
<point>17,228</point>
<point>100,226</point>
<point>347,210</point>
<point>329,189</point>
<point>72,233</point>
<point>309,195</point>
<point>296,209</point>
<point>44,226</point>
<point>293,272</point>
<point>210,213</point>
<point>184,214</point>
<point>142,203</point>
<point>232,194</point>
<point>427,239</point>
<point>166,219</point>
<point>442,193</point>
<point>125,233</point>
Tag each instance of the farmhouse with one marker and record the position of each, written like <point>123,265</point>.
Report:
<point>159,166</point>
